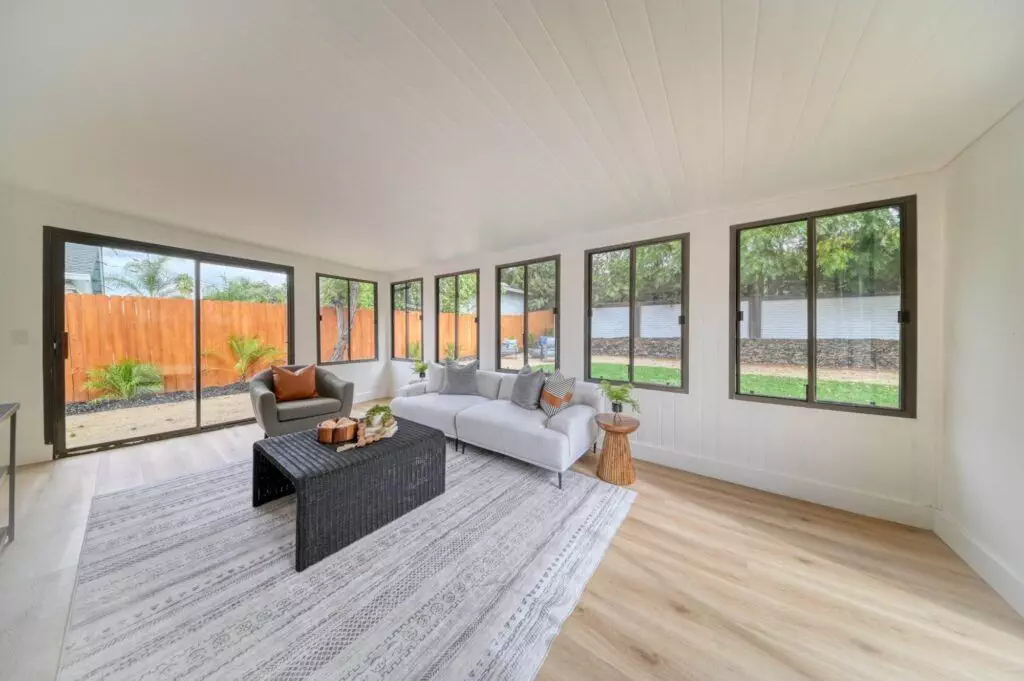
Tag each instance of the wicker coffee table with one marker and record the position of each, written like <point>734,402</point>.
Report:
<point>343,497</point>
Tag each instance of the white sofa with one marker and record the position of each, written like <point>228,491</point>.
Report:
<point>490,420</point>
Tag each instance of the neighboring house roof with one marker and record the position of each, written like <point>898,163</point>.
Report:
<point>82,262</point>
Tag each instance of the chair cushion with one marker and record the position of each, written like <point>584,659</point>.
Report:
<point>500,426</point>
<point>300,409</point>
<point>294,385</point>
<point>435,410</point>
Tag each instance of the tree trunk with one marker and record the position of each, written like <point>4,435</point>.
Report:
<point>340,345</point>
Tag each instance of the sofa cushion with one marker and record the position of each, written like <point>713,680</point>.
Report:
<point>557,393</point>
<point>526,392</point>
<point>488,383</point>
<point>300,409</point>
<point>500,426</point>
<point>435,410</point>
<point>508,384</point>
<point>460,380</point>
<point>435,377</point>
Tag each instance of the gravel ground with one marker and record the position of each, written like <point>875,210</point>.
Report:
<point>94,407</point>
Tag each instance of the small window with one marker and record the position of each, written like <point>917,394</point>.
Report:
<point>457,324</point>
<point>407,320</point>
<point>347,320</point>
<point>527,332</point>
<point>823,309</point>
<point>636,313</point>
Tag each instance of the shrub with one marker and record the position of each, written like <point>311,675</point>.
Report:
<point>249,352</point>
<point>124,380</point>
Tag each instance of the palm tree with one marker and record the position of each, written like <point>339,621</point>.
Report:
<point>151,277</point>
<point>249,352</point>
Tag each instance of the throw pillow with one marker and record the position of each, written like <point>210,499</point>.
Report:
<point>526,391</point>
<point>557,393</point>
<point>460,380</point>
<point>435,377</point>
<point>294,385</point>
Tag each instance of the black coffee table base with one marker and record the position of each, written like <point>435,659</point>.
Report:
<point>343,497</point>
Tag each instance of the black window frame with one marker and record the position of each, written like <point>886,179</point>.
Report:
<point>557,258</point>
<point>55,341</point>
<point>376,324</point>
<point>906,316</point>
<point>684,316</point>
<point>437,312</point>
<point>406,283</point>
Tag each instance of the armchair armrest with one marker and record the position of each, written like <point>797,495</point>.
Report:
<point>412,390</point>
<point>264,404</point>
<point>329,385</point>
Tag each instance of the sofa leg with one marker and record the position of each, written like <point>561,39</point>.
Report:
<point>559,481</point>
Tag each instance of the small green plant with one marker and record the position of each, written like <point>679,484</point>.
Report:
<point>381,413</point>
<point>249,352</point>
<point>124,380</point>
<point>414,349</point>
<point>621,393</point>
<point>420,367</point>
<point>449,351</point>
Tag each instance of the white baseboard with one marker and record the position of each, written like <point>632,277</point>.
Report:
<point>989,567</point>
<point>367,396</point>
<point>862,503</point>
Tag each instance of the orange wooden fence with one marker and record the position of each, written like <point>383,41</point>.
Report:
<point>415,321</point>
<point>362,336</point>
<point>467,334</point>
<point>160,331</point>
<point>541,322</point>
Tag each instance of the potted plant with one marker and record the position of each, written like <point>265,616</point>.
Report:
<point>620,394</point>
<point>420,367</point>
<point>379,415</point>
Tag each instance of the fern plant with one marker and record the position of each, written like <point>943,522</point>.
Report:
<point>620,394</point>
<point>249,353</point>
<point>124,380</point>
<point>420,367</point>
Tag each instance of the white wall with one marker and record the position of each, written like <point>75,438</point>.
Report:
<point>22,217</point>
<point>982,498</point>
<point>876,465</point>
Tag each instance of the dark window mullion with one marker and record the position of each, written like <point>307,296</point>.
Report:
<point>526,315</point>
<point>632,311</point>
<point>812,310</point>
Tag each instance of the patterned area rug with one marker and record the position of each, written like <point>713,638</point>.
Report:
<point>185,580</point>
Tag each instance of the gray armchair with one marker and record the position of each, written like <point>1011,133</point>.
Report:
<point>334,399</point>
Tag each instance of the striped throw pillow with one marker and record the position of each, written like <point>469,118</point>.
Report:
<point>557,393</point>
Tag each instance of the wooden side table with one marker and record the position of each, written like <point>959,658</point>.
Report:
<point>616,464</point>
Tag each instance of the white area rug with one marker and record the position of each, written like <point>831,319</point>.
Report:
<point>185,580</point>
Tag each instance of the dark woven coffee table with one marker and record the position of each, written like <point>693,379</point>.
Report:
<point>343,497</point>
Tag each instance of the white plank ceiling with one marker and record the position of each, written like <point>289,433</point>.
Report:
<point>406,130</point>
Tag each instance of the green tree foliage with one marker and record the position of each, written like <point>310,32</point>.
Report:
<point>467,289</point>
<point>658,275</point>
<point>150,276</point>
<point>542,282</point>
<point>247,290</point>
<point>859,253</point>
<point>124,380</point>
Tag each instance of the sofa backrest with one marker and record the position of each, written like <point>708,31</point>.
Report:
<point>488,383</point>
<point>583,393</point>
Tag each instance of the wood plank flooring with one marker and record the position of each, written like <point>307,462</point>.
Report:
<point>705,580</point>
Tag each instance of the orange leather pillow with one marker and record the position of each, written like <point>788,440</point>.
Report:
<point>294,385</point>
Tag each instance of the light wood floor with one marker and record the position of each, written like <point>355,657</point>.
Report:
<point>705,580</point>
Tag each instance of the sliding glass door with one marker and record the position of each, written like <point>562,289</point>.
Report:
<point>146,341</point>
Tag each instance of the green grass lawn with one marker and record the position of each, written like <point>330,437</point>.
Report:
<point>844,392</point>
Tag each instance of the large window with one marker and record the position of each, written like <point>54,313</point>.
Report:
<point>457,324</point>
<point>636,313</point>
<point>407,319</point>
<point>527,327</point>
<point>346,320</point>
<point>145,341</point>
<point>823,309</point>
